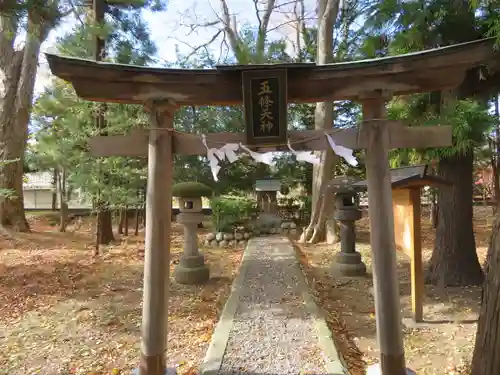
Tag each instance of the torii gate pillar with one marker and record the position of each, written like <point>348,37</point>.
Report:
<point>386,285</point>
<point>157,247</point>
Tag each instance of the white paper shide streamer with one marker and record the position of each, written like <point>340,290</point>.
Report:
<point>217,155</point>
<point>266,158</point>
<point>342,151</point>
<point>307,156</point>
<point>228,152</point>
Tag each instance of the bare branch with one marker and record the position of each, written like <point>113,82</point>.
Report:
<point>201,46</point>
<point>289,22</point>
<point>224,46</point>
<point>299,13</point>
<point>193,27</point>
<point>223,18</point>
<point>267,16</point>
<point>257,12</point>
<point>277,7</point>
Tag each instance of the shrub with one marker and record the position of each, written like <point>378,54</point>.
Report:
<point>230,211</point>
<point>305,202</point>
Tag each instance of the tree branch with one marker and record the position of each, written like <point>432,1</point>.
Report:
<point>257,12</point>
<point>261,37</point>
<point>201,46</point>
<point>230,27</point>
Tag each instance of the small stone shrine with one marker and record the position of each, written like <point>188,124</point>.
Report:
<point>191,268</point>
<point>267,201</point>
<point>348,262</point>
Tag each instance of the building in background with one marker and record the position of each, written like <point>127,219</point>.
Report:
<point>41,194</point>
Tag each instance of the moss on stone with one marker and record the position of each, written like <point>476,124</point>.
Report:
<point>191,190</point>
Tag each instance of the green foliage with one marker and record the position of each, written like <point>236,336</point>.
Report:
<point>63,123</point>
<point>125,32</point>
<point>230,211</point>
<point>399,27</point>
<point>64,126</point>
<point>251,48</point>
<point>191,189</point>
<point>394,27</point>
<point>470,122</point>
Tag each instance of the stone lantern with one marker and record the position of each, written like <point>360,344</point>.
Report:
<point>348,262</point>
<point>191,268</point>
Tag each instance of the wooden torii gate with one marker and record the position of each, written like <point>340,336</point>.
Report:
<point>370,82</point>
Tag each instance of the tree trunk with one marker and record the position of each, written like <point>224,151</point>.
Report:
<point>486,360</point>
<point>63,201</point>
<point>143,216</point>
<point>137,218</point>
<point>496,159</point>
<point>125,222</point>
<point>434,214</point>
<point>120,223</point>
<point>63,214</point>
<point>97,236</point>
<point>323,119</point>
<point>54,192</point>
<point>12,138</point>
<point>17,80</point>
<point>434,209</point>
<point>105,223</point>
<point>332,230</point>
<point>454,259</point>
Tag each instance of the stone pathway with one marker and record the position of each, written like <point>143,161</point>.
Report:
<point>270,324</point>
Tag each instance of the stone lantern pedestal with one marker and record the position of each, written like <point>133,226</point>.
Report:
<point>348,262</point>
<point>191,269</point>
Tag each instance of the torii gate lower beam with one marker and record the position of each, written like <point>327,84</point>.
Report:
<point>401,136</point>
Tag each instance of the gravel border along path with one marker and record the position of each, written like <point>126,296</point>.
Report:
<point>270,324</point>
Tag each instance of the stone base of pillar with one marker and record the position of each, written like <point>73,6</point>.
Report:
<point>348,265</point>
<point>191,270</point>
<point>375,370</point>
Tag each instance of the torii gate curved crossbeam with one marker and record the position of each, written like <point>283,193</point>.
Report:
<point>425,71</point>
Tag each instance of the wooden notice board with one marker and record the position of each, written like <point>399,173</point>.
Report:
<point>407,234</point>
<point>406,185</point>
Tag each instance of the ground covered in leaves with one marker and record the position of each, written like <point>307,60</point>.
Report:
<point>440,348</point>
<point>64,311</point>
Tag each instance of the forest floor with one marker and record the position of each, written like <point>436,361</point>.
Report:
<point>437,349</point>
<point>64,311</point>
